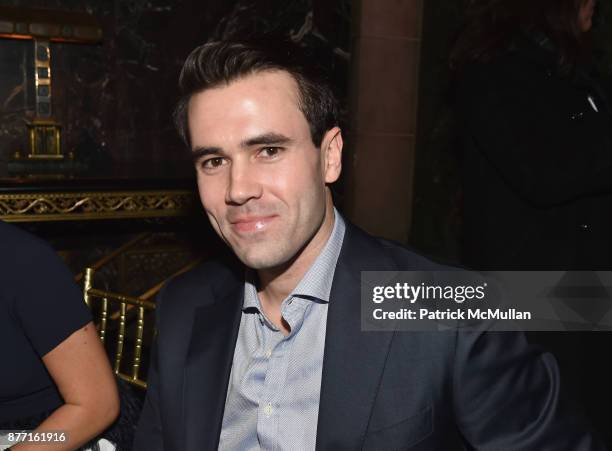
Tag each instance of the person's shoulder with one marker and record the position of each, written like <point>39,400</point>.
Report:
<point>407,257</point>
<point>521,59</point>
<point>204,282</point>
<point>12,237</point>
<point>391,254</point>
<point>182,296</point>
<point>21,248</point>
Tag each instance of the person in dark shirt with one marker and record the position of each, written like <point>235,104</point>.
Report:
<point>55,374</point>
<point>537,125</point>
<point>537,161</point>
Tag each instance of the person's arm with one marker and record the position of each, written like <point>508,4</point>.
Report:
<point>507,396</point>
<point>80,369</point>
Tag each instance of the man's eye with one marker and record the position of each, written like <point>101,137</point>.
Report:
<point>269,152</point>
<point>213,163</point>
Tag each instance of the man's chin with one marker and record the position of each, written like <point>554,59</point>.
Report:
<point>261,261</point>
<point>258,263</point>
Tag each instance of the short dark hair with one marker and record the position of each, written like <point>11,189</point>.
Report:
<point>221,62</point>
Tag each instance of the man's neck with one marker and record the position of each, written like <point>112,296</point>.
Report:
<point>276,284</point>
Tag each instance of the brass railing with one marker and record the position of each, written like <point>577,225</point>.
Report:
<point>125,302</point>
<point>141,303</point>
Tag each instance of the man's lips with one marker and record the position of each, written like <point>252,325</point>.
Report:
<point>249,224</point>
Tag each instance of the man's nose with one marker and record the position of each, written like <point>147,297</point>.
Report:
<point>243,184</point>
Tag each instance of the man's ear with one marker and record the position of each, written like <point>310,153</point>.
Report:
<point>331,154</point>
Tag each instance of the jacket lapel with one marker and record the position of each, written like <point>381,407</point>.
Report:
<point>208,365</point>
<point>353,360</point>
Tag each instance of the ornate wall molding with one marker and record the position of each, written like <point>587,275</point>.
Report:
<point>68,206</point>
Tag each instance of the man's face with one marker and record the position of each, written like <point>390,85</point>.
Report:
<point>261,179</point>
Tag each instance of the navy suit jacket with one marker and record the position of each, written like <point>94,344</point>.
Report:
<point>379,390</point>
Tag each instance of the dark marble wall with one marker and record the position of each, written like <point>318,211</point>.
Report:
<point>437,203</point>
<point>16,96</point>
<point>115,99</point>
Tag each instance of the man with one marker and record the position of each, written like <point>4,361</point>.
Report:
<point>267,352</point>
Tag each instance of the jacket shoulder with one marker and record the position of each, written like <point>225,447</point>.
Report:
<point>405,256</point>
<point>201,285</point>
<point>384,254</point>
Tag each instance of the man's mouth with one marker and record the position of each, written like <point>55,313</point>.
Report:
<point>251,224</point>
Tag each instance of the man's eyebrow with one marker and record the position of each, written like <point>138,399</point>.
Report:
<point>266,139</point>
<point>200,152</point>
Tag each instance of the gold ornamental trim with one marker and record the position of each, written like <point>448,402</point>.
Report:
<point>73,206</point>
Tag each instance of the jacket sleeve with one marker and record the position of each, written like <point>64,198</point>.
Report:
<point>507,397</point>
<point>149,436</point>
<point>537,130</point>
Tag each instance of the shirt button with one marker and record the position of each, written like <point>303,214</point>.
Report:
<point>269,353</point>
<point>268,409</point>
